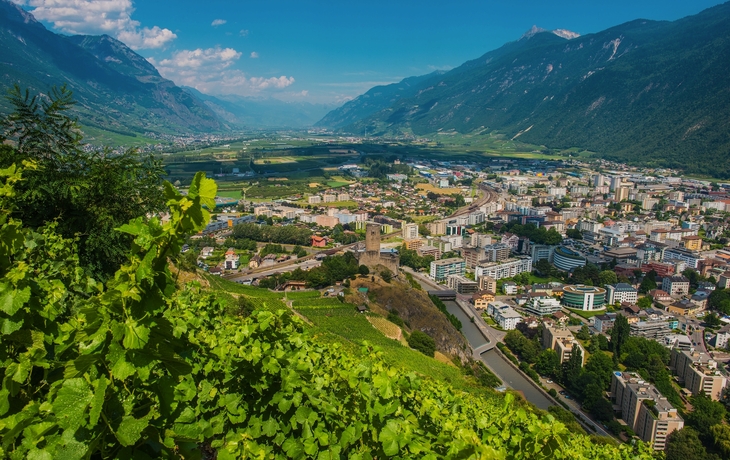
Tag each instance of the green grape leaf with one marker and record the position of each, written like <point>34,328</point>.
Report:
<point>71,402</point>
<point>130,430</point>
<point>13,300</point>
<point>98,402</point>
<point>136,335</point>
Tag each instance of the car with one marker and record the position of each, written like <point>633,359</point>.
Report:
<point>549,381</point>
<point>566,396</point>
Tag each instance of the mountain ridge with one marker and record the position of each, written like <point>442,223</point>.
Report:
<point>649,92</point>
<point>97,70</point>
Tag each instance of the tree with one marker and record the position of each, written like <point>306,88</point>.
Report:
<point>363,270</point>
<point>574,233</point>
<point>685,444</point>
<point>619,335</point>
<point>705,414</point>
<point>422,342</point>
<point>584,333</point>
<point>601,366</point>
<point>712,320</point>
<point>572,370</point>
<point>607,277</point>
<point>647,284</point>
<point>548,363</point>
<point>719,300</point>
<point>721,439</point>
<point>88,193</point>
<point>645,302</point>
<point>387,275</point>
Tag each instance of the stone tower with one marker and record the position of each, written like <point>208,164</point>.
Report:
<point>372,237</point>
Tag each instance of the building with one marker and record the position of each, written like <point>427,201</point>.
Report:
<point>424,251</point>
<point>604,323</point>
<point>437,228</point>
<point>462,284</point>
<point>496,252</point>
<point>505,269</point>
<point>410,231</point>
<point>684,307</point>
<point>656,330</point>
<point>487,283</point>
<point>481,299</point>
<point>644,408</point>
<point>675,285</point>
<point>509,287</point>
<point>231,261</point>
<point>319,241</point>
<point>562,341</point>
<point>327,221</point>
<point>441,269</point>
<point>542,305</point>
<point>698,372</point>
<point>541,252</point>
<point>566,259</point>
<point>504,315</point>
<point>690,258</point>
<point>620,293</point>
<point>722,337</point>
<point>586,298</point>
<point>472,255</point>
<point>692,242</point>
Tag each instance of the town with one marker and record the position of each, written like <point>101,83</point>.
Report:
<point>559,258</point>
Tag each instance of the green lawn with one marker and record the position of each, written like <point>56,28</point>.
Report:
<point>588,314</point>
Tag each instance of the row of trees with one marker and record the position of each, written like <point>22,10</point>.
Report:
<point>287,234</point>
<point>538,235</point>
<point>333,269</point>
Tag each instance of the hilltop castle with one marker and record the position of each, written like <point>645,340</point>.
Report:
<point>372,256</point>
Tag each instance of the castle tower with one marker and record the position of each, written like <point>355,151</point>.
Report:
<point>372,237</point>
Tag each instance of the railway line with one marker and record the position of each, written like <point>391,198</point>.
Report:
<point>488,195</point>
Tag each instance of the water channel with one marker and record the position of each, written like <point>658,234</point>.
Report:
<point>509,376</point>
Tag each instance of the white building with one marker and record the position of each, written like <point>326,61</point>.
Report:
<point>543,306</point>
<point>621,292</point>
<point>504,315</point>
<point>505,269</point>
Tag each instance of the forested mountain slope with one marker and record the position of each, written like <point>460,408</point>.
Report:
<point>655,93</point>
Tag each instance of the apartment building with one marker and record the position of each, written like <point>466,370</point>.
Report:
<point>505,269</point>
<point>441,269</point>
<point>410,231</point>
<point>487,283</point>
<point>698,372</point>
<point>504,315</point>
<point>543,305</point>
<point>462,284</point>
<point>562,341</point>
<point>675,285</point>
<point>472,255</point>
<point>644,408</point>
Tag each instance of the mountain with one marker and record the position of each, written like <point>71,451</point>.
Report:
<point>116,89</point>
<point>375,100</point>
<point>649,92</point>
<point>258,112</point>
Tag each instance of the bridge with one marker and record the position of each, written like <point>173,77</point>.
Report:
<point>478,351</point>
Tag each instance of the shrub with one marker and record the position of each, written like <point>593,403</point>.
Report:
<point>422,342</point>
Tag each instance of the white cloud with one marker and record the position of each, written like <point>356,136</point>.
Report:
<point>112,17</point>
<point>211,71</point>
<point>254,55</point>
<point>243,33</point>
<point>218,22</point>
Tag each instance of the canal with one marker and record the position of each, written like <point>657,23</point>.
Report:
<point>507,374</point>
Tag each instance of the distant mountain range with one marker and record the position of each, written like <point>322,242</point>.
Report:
<point>259,112</point>
<point>119,91</point>
<point>649,92</point>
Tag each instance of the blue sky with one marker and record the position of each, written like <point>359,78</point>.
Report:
<point>328,51</point>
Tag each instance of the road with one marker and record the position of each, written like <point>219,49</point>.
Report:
<point>280,268</point>
<point>292,264</point>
